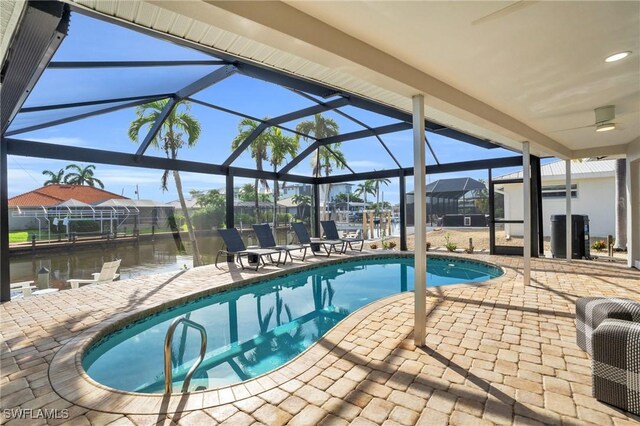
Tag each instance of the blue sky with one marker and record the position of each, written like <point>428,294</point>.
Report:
<point>90,39</point>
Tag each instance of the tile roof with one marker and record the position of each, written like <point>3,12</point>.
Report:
<point>51,195</point>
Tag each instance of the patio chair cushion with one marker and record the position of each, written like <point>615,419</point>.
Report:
<point>616,364</point>
<point>301,232</point>
<point>232,240</point>
<point>591,311</point>
<point>264,235</point>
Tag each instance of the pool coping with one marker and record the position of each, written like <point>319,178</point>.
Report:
<point>71,382</point>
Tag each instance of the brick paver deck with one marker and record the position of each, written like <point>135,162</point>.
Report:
<point>496,353</point>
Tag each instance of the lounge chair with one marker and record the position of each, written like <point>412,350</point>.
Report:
<point>107,274</point>
<point>305,239</point>
<point>235,247</point>
<point>266,241</point>
<point>26,287</point>
<point>331,232</point>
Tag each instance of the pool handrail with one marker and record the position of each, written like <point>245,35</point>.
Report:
<point>168,370</point>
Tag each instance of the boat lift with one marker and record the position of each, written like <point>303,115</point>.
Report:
<point>66,213</point>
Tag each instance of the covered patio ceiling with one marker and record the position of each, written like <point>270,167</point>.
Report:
<point>503,71</point>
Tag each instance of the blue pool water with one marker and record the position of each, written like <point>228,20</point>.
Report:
<point>257,328</point>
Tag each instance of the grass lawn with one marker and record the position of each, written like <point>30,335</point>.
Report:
<point>21,236</point>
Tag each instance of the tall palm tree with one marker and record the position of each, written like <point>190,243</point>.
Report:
<point>53,177</point>
<point>621,204</point>
<point>323,161</point>
<point>259,146</point>
<point>365,188</point>
<point>82,176</point>
<point>280,147</point>
<point>170,139</point>
<point>376,185</point>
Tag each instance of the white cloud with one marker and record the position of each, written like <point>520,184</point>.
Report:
<point>365,164</point>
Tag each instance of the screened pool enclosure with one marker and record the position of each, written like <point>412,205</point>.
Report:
<point>57,82</point>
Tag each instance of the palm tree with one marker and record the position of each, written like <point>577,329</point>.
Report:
<point>301,200</point>
<point>247,192</point>
<point>621,204</point>
<point>376,185</point>
<point>178,124</point>
<point>258,151</point>
<point>365,188</point>
<point>82,176</point>
<point>280,146</point>
<point>324,161</point>
<point>53,177</point>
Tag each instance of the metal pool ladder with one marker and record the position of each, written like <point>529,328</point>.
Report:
<point>168,371</point>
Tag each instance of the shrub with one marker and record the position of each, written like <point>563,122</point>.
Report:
<point>285,217</point>
<point>599,245</point>
<point>388,245</point>
<point>208,217</point>
<point>83,226</point>
<point>448,244</point>
<point>428,246</point>
<point>373,246</point>
<point>246,219</point>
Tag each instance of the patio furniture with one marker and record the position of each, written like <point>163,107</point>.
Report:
<point>236,248</point>
<point>106,274</point>
<point>26,287</point>
<point>45,291</point>
<point>315,244</point>
<point>591,311</point>
<point>616,364</point>
<point>266,241</point>
<point>331,232</point>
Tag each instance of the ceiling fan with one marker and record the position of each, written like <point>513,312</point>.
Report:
<point>604,120</point>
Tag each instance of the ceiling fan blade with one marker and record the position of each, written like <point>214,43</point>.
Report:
<point>513,7</point>
<point>572,128</point>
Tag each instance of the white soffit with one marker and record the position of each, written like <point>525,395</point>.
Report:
<point>540,62</point>
<point>10,12</point>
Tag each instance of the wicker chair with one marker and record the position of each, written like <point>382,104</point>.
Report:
<point>616,364</point>
<point>591,311</point>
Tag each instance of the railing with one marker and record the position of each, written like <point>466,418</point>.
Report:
<point>168,370</point>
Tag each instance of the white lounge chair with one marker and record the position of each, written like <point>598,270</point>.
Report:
<point>26,287</point>
<point>107,274</point>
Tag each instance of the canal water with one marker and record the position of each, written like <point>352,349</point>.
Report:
<point>144,258</point>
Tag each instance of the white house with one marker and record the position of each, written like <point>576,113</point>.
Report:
<point>593,194</point>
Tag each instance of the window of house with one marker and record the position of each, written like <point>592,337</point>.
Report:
<point>559,191</point>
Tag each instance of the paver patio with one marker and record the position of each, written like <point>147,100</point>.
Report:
<point>496,353</point>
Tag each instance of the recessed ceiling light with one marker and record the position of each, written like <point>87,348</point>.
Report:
<point>605,127</point>
<point>617,56</point>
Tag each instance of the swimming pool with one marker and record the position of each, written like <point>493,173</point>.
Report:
<point>257,328</point>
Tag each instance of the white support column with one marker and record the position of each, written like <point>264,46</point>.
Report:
<point>420,220</point>
<point>569,223</point>
<point>633,213</point>
<point>526,190</point>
